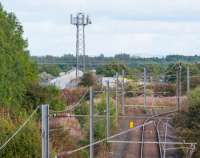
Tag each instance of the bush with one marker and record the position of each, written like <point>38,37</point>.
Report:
<point>25,144</point>
<point>130,87</point>
<point>37,95</point>
<point>188,123</point>
<point>88,79</point>
<point>194,106</point>
<point>165,89</point>
<point>72,96</point>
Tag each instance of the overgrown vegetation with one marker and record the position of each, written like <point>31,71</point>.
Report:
<point>26,144</point>
<point>88,79</point>
<point>187,122</point>
<point>18,71</point>
<point>99,122</point>
<point>110,70</point>
<point>20,92</point>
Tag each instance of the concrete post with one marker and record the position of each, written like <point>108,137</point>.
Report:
<point>45,131</point>
<point>91,124</point>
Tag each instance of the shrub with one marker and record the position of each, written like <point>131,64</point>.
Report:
<point>165,89</point>
<point>88,79</point>
<point>25,144</point>
<point>72,96</point>
<point>37,95</point>
<point>188,123</point>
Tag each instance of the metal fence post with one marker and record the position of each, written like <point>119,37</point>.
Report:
<point>123,99</point>
<point>45,131</point>
<point>188,79</point>
<point>145,79</point>
<point>91,124</point>
<point>107,110</point>
<point>178,84</point>
<point>116,99</point>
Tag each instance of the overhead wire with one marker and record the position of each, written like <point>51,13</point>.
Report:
<point>71,107</point>
<point>18,130</point>
<point>102,140</point>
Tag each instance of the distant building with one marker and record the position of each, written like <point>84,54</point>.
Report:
<point>112,81</point>
<point>45,78</point>
<point>67,80</point>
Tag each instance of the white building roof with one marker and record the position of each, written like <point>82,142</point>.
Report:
<point>66,80</point>
<point>111,80</point>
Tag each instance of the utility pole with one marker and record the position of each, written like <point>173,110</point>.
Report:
<point>45,131</point>
<point>153,89</point>
<point>116,98</point>
<point>188,79</point>
<point>107,110</point>
<point>178,84</point>
<point>80,21</point>
<point>123,99</point>
<point>91,124</point>
<point>145,80</point>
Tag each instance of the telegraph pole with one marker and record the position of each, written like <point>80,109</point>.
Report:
<point>107,110</point>
<point>116,98</point>
<point>145,79</point>
<point>178,84</point>
<point>123,99</point>
<point>91,124</point>
<point>80,21</point>
<point>188,79</point>
<point>45,131</point>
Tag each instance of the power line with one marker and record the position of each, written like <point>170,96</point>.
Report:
<point>102,140</point>
<point>19,129</point>
<point>72,106</point>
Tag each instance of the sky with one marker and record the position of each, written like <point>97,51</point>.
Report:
<point>137,27</point>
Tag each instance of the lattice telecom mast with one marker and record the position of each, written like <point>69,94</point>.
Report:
<point>80,21</point>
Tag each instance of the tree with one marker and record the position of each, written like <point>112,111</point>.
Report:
<point>110,70</point>
<point>17,68</point>
<point>88,79</point>
<point>51,69</point>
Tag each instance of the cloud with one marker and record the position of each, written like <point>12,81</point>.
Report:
<point>138,27</point>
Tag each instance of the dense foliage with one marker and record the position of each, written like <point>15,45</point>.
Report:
<point>38,95</point>
<point>131,61</point>
<point>26,143</point>
<point>165,89</point>
<point>170,75</point>
<point>99,122</point>
<point>20,92</point>
<point>110,70</point>
<point>17,69</point>
<point>88,79</point>
<point>51,69</point>
<point>188,122</point>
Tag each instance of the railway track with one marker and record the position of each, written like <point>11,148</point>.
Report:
<point>151,133</point>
